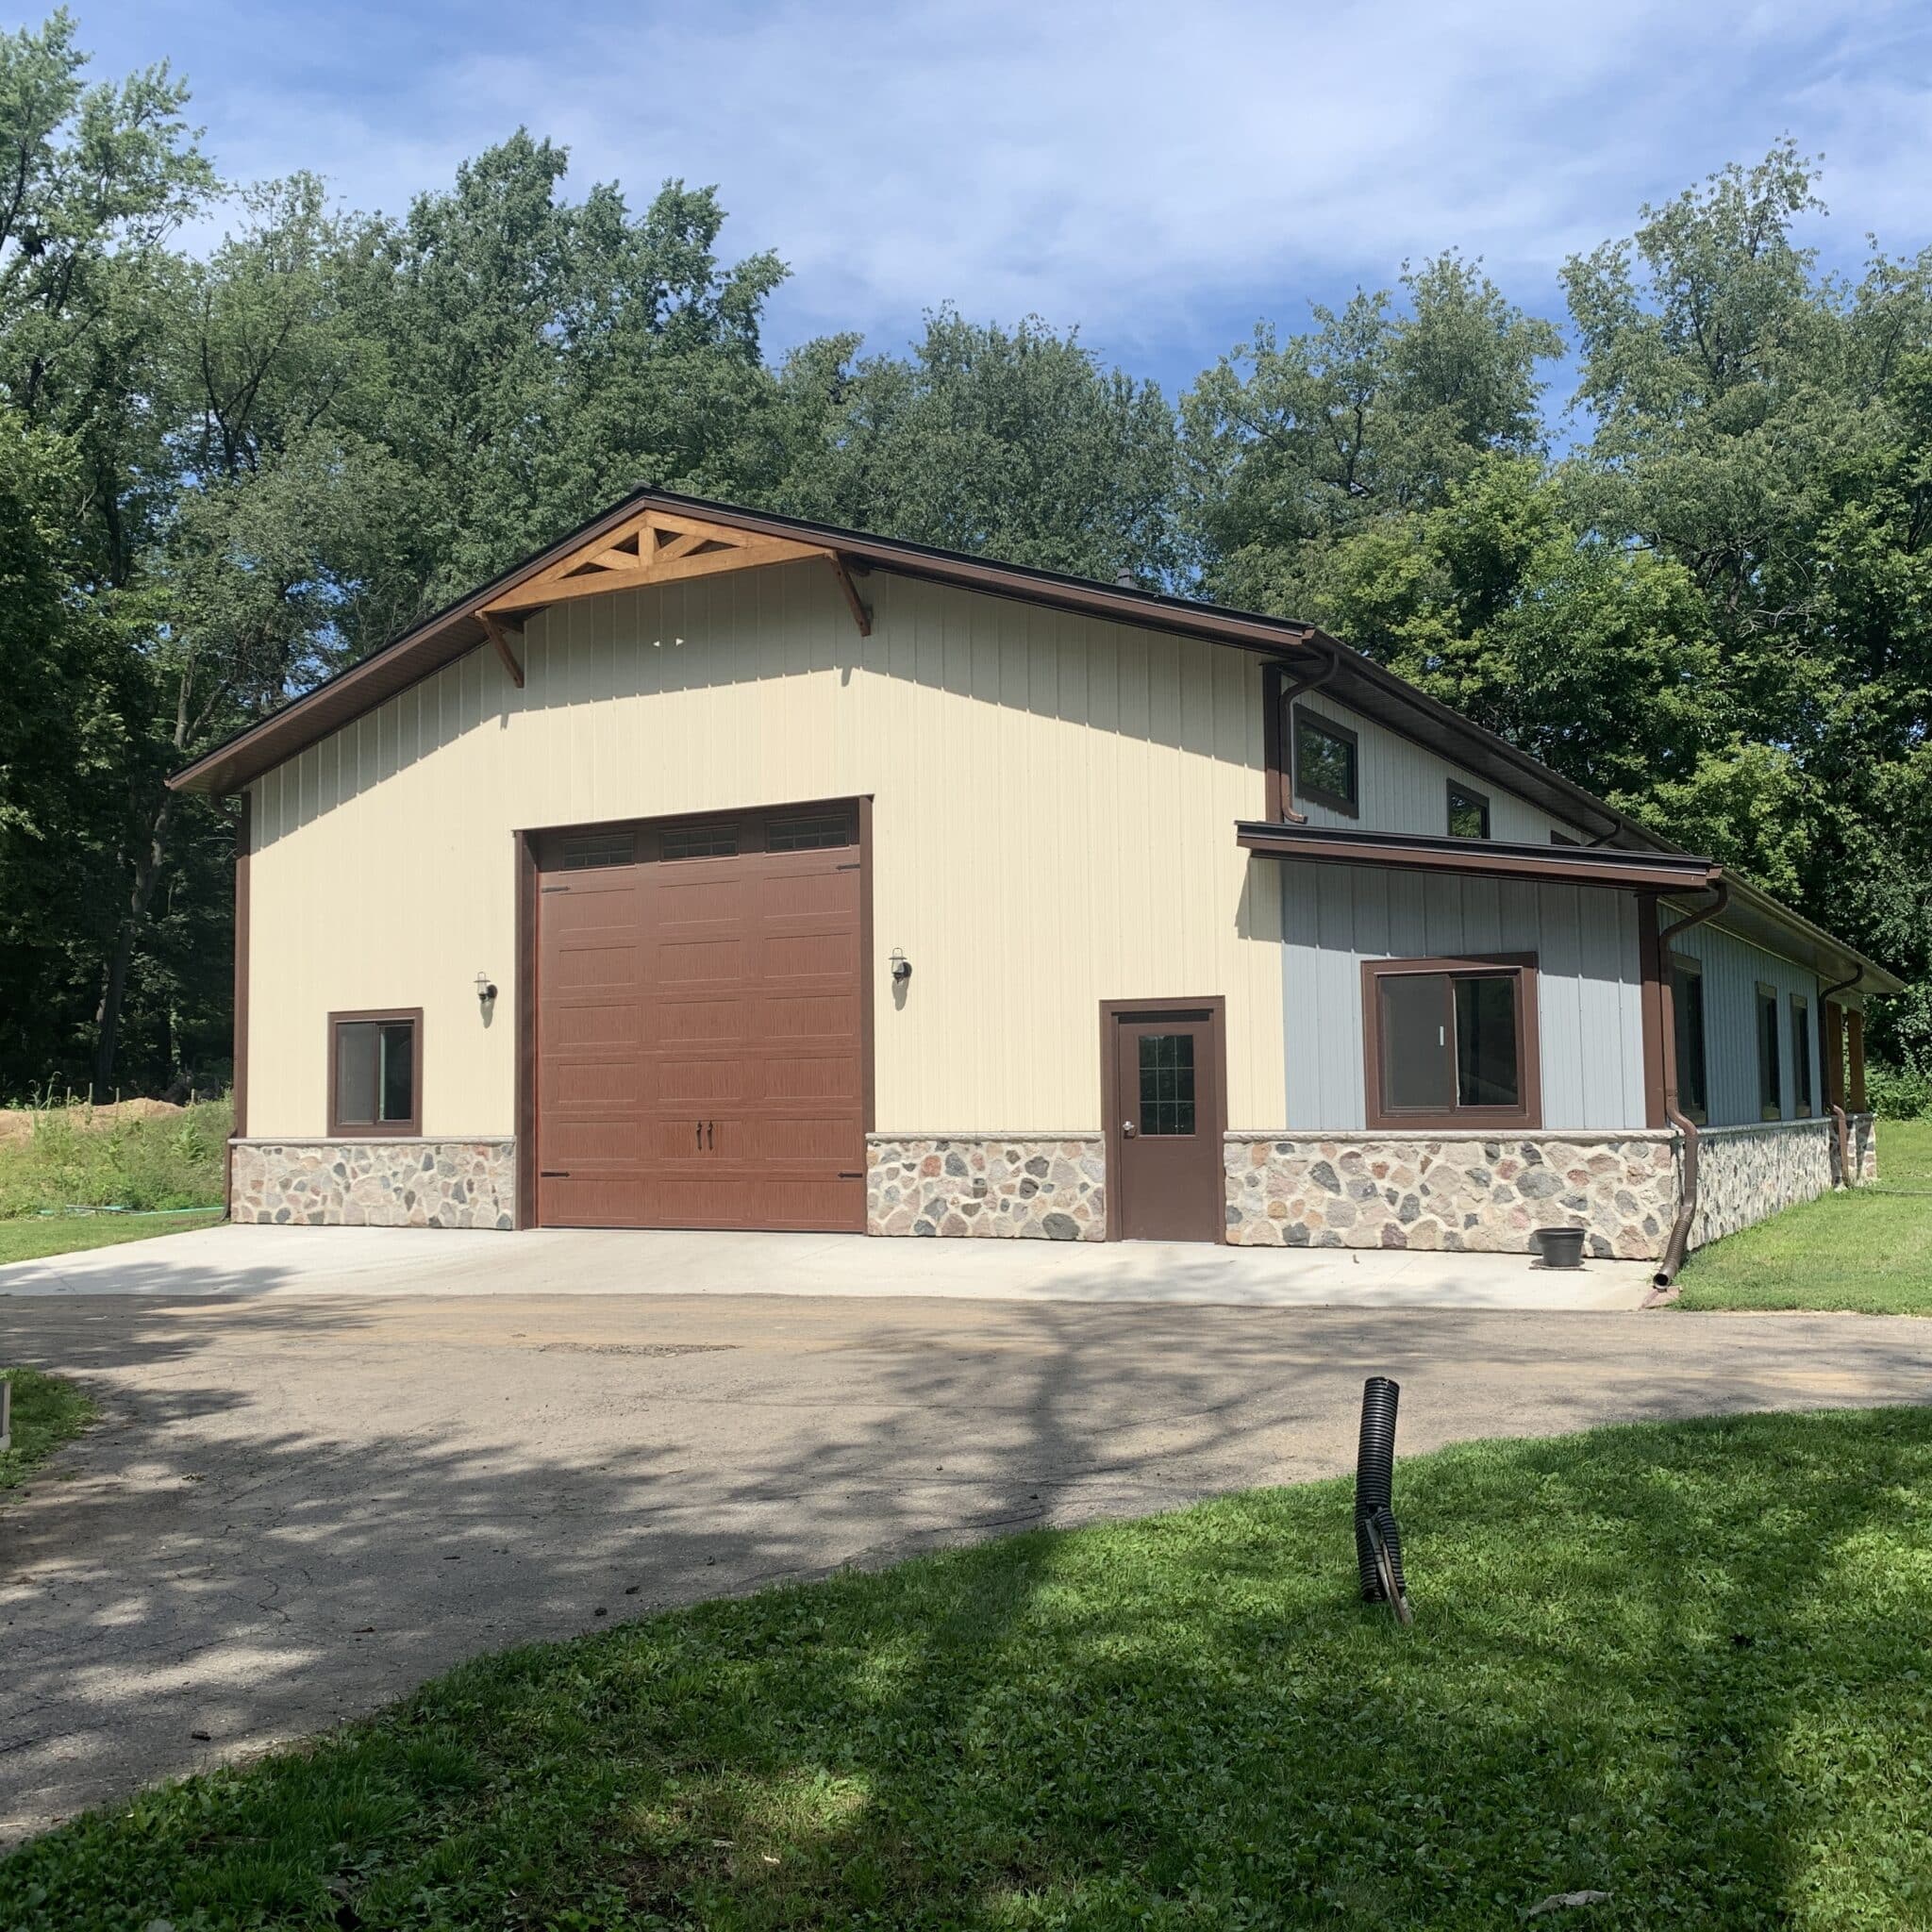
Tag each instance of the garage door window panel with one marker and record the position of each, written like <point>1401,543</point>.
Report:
<point>375,1073</point>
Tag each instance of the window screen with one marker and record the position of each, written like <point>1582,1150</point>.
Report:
<point>1771,1099</point>
<point>1469,814</point>
<point>1451,1042</point>
<point>1686,1008</point>
<point>1324,763</point>
<point>376,1075</point>
<point>1801,1053</point>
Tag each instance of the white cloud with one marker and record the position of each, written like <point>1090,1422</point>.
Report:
<point>1148,169</point>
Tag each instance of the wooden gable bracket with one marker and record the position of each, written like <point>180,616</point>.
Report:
<point>503,649</point>
<point>658,547</point>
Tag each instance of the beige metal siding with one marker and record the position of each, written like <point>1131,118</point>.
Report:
<point>1588,981</point>
<point>1055,803</point>
<point>1405,787</point>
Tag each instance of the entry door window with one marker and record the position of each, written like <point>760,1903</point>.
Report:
<point>1167,1083</point>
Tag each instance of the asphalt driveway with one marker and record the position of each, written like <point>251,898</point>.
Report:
<point>300,1505</point>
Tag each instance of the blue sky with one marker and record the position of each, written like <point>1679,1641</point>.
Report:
<point>1161,174</point>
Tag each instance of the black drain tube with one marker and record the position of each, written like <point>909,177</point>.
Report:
<point>1374,1477</point>
<point>1687,1206</point>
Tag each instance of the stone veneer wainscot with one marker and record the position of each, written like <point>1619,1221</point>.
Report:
<point>1461,1192</point>
<point>375,1183</point>
<point>1745,1174</point>
<point>1043,1187</point>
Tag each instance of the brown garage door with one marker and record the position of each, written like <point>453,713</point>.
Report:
<point>700,1048</point>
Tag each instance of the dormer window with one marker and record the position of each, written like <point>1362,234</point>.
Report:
<point>1469,812</point>
<point>1327,766</point>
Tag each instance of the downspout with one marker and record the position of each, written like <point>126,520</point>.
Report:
<point>1285,725</point>
<point>1839,1125</point>
<point>1686,1208</point>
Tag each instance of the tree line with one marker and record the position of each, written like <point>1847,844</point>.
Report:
<point>1700,587</point>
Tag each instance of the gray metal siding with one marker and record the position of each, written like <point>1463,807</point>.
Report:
<point>1590,988</point>
<point>1732,970</point>
<point>1405,787</point>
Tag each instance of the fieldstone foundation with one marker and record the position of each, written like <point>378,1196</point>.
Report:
<point>375,1183</point>
<point>1745,1174</point>
<point>1463,1192</point>
<point>1038,1186</point>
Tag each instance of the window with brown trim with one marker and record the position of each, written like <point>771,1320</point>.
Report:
<point>1686,1025</point>
<point>1800,1055</point>
<point>1328,763</point>
<point>1771,1097</point>
<point>376,1072</point>
<point>1452,1042</point>
<point>1469,812</point>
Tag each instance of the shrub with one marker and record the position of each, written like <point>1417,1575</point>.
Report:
<point>75,1158</point>
<point>1898,1093</point>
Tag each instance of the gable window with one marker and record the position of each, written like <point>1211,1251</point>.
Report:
<point>1771,1098</point>
<point>1469,812</point>
<point>1687,1018</point>
<point>1451,1042</point>
<point>1801,1055</point>
<point>1327,763</point>
<point>376,1072</point>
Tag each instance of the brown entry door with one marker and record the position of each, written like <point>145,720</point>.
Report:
<point>700,1049</point>
<point>1167,1093</point>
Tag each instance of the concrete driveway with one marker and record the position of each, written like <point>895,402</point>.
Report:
<point>300,1504</point>
<point>404,1261</point>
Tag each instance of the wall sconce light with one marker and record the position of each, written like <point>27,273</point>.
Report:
<point>902,966</point>
<point>486,989</point>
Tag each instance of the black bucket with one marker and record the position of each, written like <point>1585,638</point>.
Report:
<point>1560,1247</point>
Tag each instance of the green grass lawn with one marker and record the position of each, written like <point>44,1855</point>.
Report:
<point>38,1235</point>
<point>1683,1665</point>
<point>1869,1249</point>
<point>46,1412</point>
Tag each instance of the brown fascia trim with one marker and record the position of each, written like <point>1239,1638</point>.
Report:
<point>1756,918</point>
<point>1358,681</point>
<point>1577,865</point>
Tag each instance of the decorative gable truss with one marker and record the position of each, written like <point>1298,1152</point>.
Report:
<point>652,548</point>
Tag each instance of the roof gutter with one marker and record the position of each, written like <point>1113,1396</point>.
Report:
<point>1720,888</point>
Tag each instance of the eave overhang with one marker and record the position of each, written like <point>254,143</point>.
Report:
<point>1555,865</point>
<point>1750,913</point>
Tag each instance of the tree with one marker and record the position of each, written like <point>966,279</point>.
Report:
<point>1015,443</point>
<point>1371,416</point>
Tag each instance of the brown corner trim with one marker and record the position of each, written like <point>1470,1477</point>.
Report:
<point>1652,966</point>
<point>1508,1119</point>
<point>867,978</point>
<point>524,860</point>
<point>245,848</point>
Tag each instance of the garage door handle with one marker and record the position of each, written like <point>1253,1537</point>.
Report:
<point>700,1132</point>
<point>711,1132</point>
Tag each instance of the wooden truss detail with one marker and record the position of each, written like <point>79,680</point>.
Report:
<point>656,547</point>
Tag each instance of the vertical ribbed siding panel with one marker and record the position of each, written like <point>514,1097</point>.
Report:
<point>1732,970</point>
<point>1055,805</point>
<point>1405,787</point>
<point>1589,1005</point>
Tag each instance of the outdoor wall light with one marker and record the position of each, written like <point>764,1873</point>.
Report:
<point>902,966</point>
<point>486,989</point>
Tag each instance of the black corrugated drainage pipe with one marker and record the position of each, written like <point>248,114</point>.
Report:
<point>1687,1206</point>
<point>1331,662</point>
<point>1839,1125</point>
<point>1375,1480</point>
